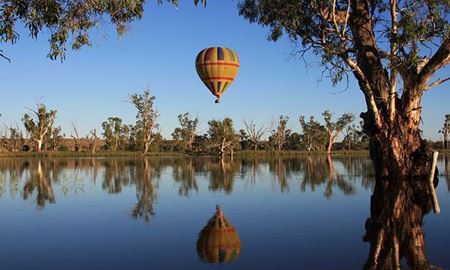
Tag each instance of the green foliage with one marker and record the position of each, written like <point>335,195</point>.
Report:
<point>39,123</point>
<point>145,119</point>
<point>222,135</point>
<point>69,22</point>
<point>184,135</point>
<point>315,26</point>
<point>340,124</point>
<point>354,138</point>
<point>280,133</point>
<point>294,141</point>
<point>314,135</point>
<point>116,134</point>
<point>53,139</point>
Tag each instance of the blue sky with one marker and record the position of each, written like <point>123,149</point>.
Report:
<point>159,52</point>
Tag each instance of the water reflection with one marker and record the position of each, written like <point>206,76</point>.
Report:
<point>39,175</point>
<point>393,230</point>
<point>218,241</point>
<point>40,181</point>
<point>184,173</point>
<point>145,190</point>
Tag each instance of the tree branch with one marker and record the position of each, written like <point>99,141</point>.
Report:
<point>393,75</point>
<point>440,59</point>
<point>436,83</point>
<point>366,89</point>
<point>4,56</point>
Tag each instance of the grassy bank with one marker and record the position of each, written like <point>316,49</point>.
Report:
<point>243,154</point>
<point>238,154</point>
<point>70,154</point>
<point>290,153</point>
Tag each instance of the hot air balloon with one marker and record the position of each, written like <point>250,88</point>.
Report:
<point>217,67</point>
<point>218,242</point>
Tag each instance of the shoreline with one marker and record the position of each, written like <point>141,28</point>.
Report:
<point>238,154</point>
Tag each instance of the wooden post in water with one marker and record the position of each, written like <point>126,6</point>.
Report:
<point>436,207</point>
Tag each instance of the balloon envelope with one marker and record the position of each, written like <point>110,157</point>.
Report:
<point>217,67</point>
<point>218,242</point>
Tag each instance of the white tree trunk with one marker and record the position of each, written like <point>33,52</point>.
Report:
<point>39,143</point>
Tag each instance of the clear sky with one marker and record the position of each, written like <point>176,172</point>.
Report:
<point>159,52</point>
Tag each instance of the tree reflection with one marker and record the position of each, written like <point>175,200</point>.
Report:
<point>281,173</point>
<point>250,168</point>
<point>184,173</point>
<point>321,171</point>
<point>394,228</point>
<point>50,177</point>
<point>39,180</point>
<point>11,174</point>
<point>116,175</point>
<point>222,173</point>
<point>146,192</point>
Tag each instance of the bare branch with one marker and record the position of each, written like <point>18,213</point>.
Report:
<point>436,83</point>
<point>4,56</point>
<point>75,130</point>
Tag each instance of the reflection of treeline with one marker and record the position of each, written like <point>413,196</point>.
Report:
<point>116,173</point>
<point>35,179</point>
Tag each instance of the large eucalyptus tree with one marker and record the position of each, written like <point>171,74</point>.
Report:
<point>394,49</point>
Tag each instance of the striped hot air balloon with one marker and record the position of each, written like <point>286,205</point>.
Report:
<point>217,67</point>
<point>218,242</point>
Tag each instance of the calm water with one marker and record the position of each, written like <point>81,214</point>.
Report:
<point>302,213</point>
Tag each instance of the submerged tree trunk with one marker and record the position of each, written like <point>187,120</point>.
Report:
<point>394,228</point>
<point>398,150</point>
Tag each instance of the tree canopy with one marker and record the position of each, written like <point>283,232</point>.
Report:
<point>39,124</point>
<point>67,21</point>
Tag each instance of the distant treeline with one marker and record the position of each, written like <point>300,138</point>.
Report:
<point>40,134</point>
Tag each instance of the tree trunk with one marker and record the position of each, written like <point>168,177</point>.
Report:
<point>146,148</point>
<point>446,129</point>
<point>116,143</point>
<point>309,146</point>
<point>395,143</point>
<point>222,148</point>
<point>39,143</point>
<point>398,149</point>
<point>147,142</point>
<point>330,144</point>
<point>394,228</point>
<point>94,146</point>
<point>447,171</point>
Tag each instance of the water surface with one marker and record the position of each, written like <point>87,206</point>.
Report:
<point>120,213</point>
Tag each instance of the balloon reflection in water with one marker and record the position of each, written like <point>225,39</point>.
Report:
<point>218,241</point>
